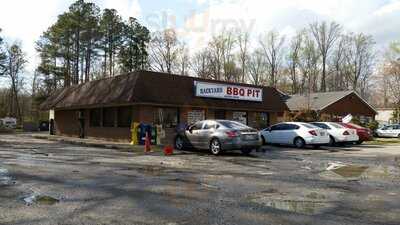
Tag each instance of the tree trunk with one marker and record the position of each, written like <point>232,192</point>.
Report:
<point>77,47</point>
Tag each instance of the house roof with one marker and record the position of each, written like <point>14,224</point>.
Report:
<point>319,101</point>
<point>314,101</point>
<point>145,87</point>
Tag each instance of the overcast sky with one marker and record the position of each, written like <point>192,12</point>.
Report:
<point>197,20</point>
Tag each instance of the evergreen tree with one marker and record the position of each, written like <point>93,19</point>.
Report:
<point>111,28</point>
<point>83,38</point>
<point>133,55</point>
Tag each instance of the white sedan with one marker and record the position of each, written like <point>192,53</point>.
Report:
<point>295,133</point>
<point>338,133</point>
<point>389,131</point>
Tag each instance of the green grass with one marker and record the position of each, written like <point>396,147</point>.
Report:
<point>384,141</point>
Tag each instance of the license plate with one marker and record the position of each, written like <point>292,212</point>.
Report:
<point>250,137</point>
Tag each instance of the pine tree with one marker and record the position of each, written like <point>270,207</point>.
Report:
<point>133,55</point>
<point>111,27</point>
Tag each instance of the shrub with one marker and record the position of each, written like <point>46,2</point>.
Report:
<point>306,116</point>
<point>373,125</point>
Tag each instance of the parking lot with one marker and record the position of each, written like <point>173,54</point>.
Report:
<point>47,182</point>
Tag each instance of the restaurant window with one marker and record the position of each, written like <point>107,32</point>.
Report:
<point>240,117</point>
<point>262,119</point>
<point>195,115</point>
<point>124,116</point>
<point>168,117</point>
<point>220,114</point>
<point>108,117</point>
<point>95,117</point>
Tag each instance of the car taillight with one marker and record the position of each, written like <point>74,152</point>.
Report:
<point>313,132</point>
<point>232,134</point>
<point>346,133</point>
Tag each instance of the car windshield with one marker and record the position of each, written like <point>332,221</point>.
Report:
<point>309,125</point>
<point>233,125</point>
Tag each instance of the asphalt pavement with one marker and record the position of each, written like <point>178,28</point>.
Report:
<point>49,182</point>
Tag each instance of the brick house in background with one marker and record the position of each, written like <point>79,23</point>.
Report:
<point>335,105</point>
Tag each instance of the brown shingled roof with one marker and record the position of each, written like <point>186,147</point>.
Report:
<point>146,87</point>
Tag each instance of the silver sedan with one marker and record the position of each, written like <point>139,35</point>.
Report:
<point>219,135</point>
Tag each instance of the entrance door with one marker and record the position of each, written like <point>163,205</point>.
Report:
<point>220,114</point>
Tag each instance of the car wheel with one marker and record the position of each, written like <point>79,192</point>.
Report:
<point>246,151</point>
<point>332,141</point>
<point>179,144</point>
<point>215,146</point>
<point>299,142</point>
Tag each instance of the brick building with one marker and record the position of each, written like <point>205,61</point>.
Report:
<point>106,108</point>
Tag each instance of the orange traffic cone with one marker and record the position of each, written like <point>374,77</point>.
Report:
<point>147,144</point>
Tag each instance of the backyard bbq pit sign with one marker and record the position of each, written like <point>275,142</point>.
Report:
<point>227,91</point>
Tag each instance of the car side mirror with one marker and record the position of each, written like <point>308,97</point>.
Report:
<point>268,129</point>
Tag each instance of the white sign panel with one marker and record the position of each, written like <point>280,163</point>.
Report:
<point>227,91</point>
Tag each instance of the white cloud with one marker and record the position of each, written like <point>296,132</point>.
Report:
<point>126,8</point>
<point>373,17</point>
<point>25,21</point>
<point>389,8</point>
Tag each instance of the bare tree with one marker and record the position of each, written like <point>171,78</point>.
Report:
<point>200,64</point>
<point>338,67</point>
<point>309,61</point>
<point>257,67</point>
<point>164,49</point>
<point>2,57</point>
<point>360,58</point>
<point>391,71</point>
<point>294,59</point>
<point>222,58</point>
<point>325,36</point>
<point>243,40</point>
<point>14,66</point>
<point>272,45</point>
<point>183,60</point>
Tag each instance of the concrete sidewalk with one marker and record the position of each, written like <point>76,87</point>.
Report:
<point>91,142</point>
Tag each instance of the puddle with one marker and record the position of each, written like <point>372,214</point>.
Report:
<point>151,170</point>
<point>5,179</point>
<point>305,207</point>
<point>297,206</point>
<point>40,199</point>
<point>194,182</point>
<point>362,172</point>
<point>350,171</point>
<point>310,203</point>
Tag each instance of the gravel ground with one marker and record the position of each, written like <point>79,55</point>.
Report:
<point>45,182</point>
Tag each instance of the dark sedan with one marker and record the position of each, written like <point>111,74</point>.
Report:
<point>218,136</point>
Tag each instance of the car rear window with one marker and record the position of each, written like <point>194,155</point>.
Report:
<point>336,125</point>
<point>321,125</point>
<point>233,124</point>
<point>309,125</point>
